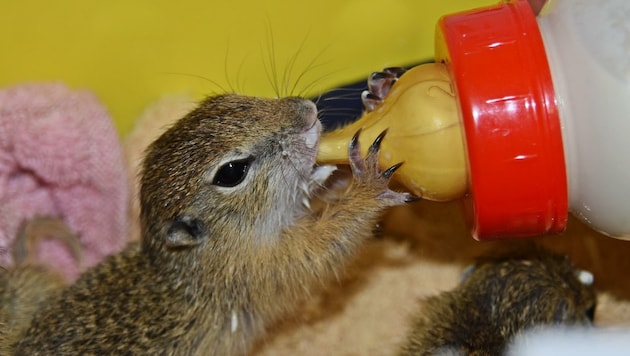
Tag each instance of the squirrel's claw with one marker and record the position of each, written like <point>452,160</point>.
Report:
<point>367,173</point>
<point>379,84</point>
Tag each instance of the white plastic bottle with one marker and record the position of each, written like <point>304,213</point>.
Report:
<point>545,109</point>
<point>588,47</point>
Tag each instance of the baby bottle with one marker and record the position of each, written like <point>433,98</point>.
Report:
<point>524,117</point>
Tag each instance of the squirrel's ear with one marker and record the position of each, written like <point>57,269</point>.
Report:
<point>185,231</point>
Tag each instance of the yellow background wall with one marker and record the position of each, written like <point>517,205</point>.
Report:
<point>132,52</point>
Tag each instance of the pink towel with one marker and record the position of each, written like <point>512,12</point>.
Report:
<point>60,156</point>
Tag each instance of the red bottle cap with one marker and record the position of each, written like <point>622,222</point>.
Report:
<point>517,176</point>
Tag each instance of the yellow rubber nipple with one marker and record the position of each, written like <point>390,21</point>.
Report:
<point>424,131</point>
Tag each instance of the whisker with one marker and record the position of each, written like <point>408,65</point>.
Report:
<point>271,69</point>
<point>291,64</point>
<point>343,94</point>
<point>240,81</point>
<point>318,80</point>
<point>309,67</point>
<point>337,110</point>
<point>216,84</point>
<point>326,97</point>
<point>225,66</point>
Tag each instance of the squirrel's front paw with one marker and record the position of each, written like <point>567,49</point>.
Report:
<point>379,84</point>
<point>368,175</point>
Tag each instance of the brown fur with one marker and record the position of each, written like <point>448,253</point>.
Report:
<point>27,286</point>
<point>500,298</point>
<point>216,266</point>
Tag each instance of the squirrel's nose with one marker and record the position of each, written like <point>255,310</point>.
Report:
<point>305,110</point>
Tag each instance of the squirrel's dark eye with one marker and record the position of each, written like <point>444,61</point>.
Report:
<point>232,173</point>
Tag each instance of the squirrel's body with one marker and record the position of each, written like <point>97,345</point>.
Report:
<point>124,305</point>
<point>27,285</point>
<point>499,299</point>
<point>227,245</point>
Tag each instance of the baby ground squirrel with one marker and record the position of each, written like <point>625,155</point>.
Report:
<point>500,298</point>
<point>227,245</point>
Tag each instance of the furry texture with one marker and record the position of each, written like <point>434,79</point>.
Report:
<point>423,250</point>
<point>500,298</point>
<point>60,156</point>
<point>155,119</point>
<point>218,263</point>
